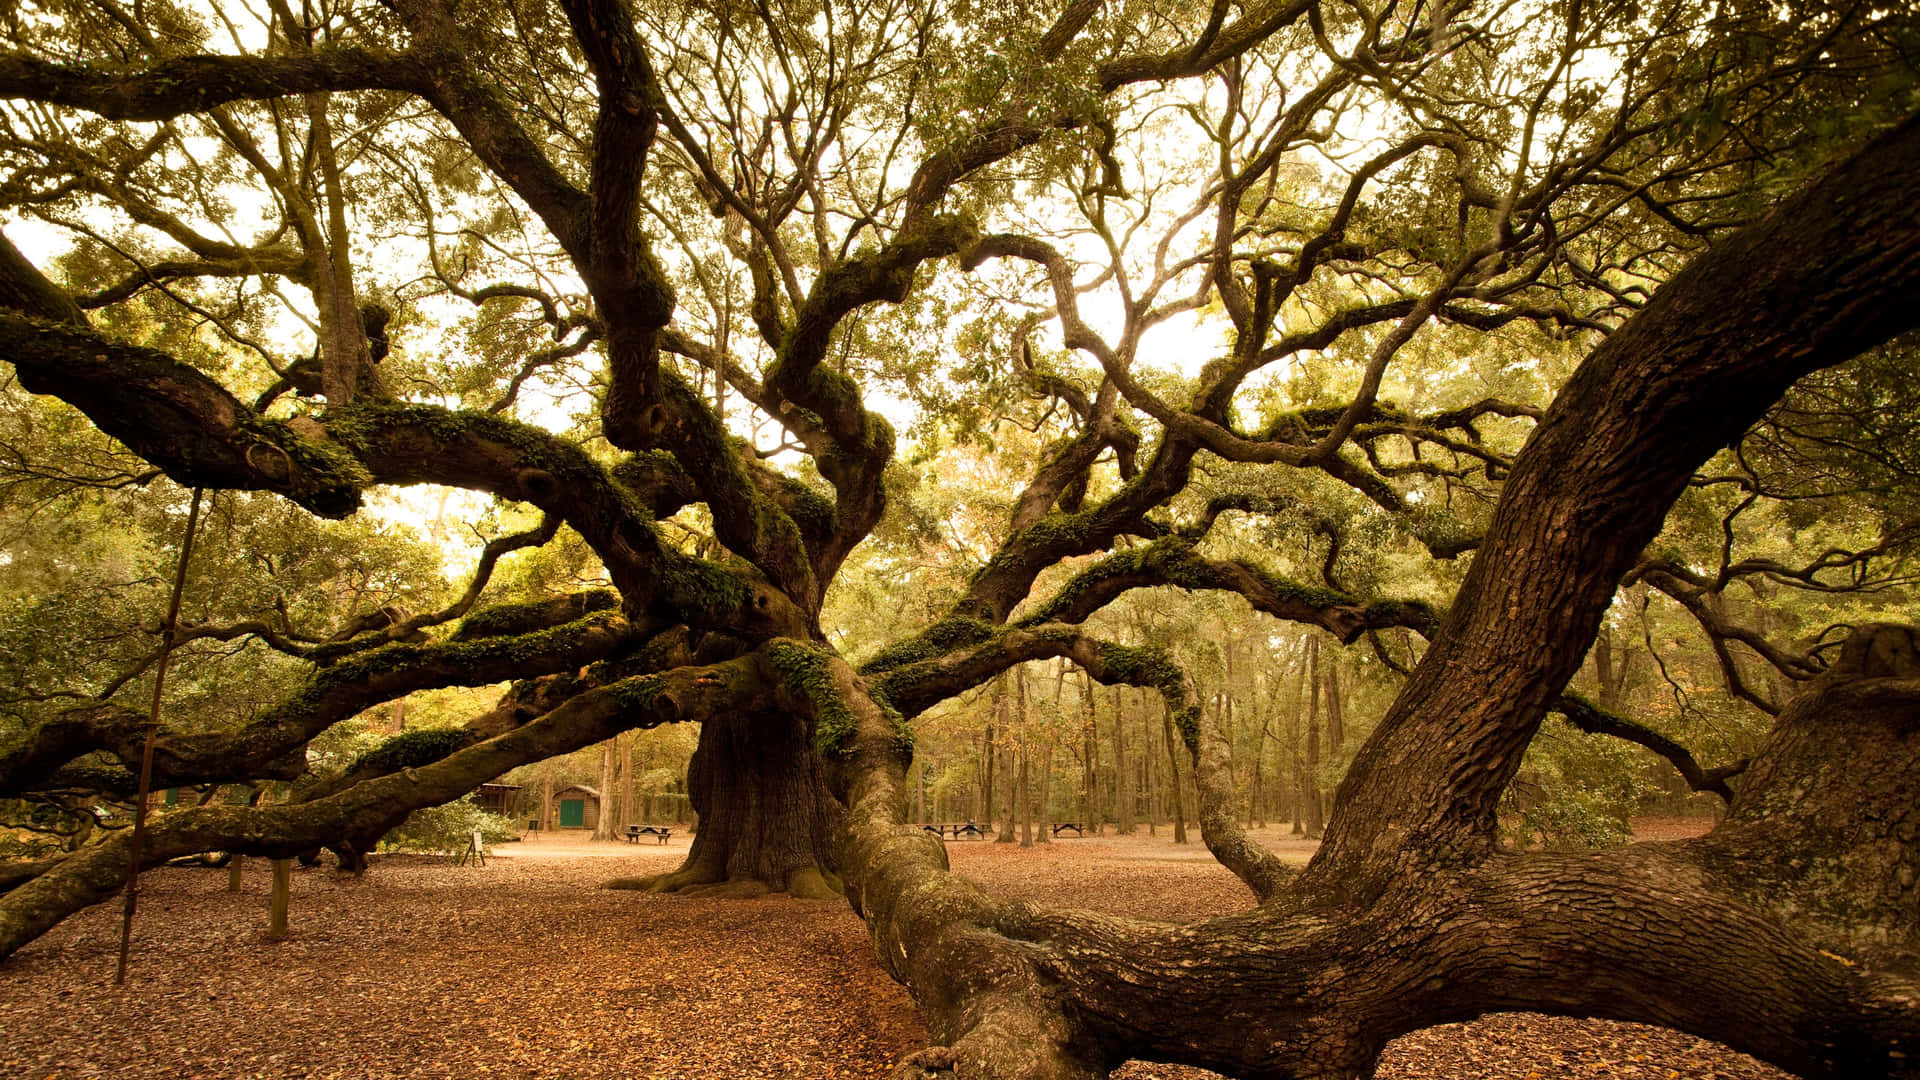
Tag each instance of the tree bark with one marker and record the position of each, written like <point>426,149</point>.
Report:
<point>1122,774</point>
<point>628,785</point>
<point>1174,784</point>
<point>603,826</point>
<point>767,815</point>
<point>1316,812</point>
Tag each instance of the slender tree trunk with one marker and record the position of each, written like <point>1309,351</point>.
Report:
<point>1090,760</point>
<point>1026,795</point>
<point>1316,810</point>
<point>1174,783</point>
<point>992,751</point>
<point>546,801</point>
<point>603,826</point>
<point>234,867</point>
<point>1026,755</point>
<point>1336,712</point>
<point>1122,776</point>
<point>983,764</point>
<point>1046,796</point>
<point>1603,669</point>
<point>1009,763</point>
<point>629,785</point>
<point>1010,787</point>
<point>1296,766</point>
<point>1149,779</point>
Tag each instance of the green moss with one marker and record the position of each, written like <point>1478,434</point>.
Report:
<point>1171,560</point>
<point>503,619</point>
<point>1415,614</point>
<point>702,592</point>
<point>323,475</point>
<point>477,659</point>
<point>1315,596</point>
<point>1187,722</point>
<point>812,511</point>
<point>638,694</point>
<point>1055,531</point>
<point>950,633</point>
<point>805,670</point>
<point>903,741</point>
<point>362,425</point>
<point>412,749</point>
<point>1144,665</point>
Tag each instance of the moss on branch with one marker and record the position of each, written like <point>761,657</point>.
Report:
<point>411,749</point>
<point>533,615</point>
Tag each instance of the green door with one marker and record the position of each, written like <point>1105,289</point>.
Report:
<point>573,813</point>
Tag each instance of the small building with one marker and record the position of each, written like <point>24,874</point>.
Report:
<point>502,799</point>
<point>576,807</point>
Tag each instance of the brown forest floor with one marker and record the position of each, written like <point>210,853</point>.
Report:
<point>522,969</point>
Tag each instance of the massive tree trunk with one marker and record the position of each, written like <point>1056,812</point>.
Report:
<point>767,817</point>
<point>1825,833</point>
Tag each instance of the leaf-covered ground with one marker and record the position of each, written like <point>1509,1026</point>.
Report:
<point>522,969</point>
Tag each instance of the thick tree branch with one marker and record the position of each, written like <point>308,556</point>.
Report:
<point>1172,561</point>
<point>1834,270</point>
<point>191,84</point>
<point>1594,720</point>
<point>271,746</point>
<point>364,812</point>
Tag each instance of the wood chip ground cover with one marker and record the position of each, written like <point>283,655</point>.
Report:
<point>524,970</point>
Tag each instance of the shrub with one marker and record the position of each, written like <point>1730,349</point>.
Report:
<point>446,828</point>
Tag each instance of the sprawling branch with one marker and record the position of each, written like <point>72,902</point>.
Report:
<point>176,417</point>
<point>914,687</point>
<point>1172,561</point>
<point>1814,286</point>
<point>191,84</point>
<point>362,813</point>
<point>271,746</point>
<point>1594,720</point>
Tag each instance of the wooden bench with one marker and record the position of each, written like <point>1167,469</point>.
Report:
<point>635,832</point>
<point>957,831</point>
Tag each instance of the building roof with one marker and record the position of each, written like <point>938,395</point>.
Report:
<point>578,787</point>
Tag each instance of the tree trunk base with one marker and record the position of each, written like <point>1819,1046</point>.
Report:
<point>767,816</point>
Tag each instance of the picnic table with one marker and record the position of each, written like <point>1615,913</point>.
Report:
<point>957,830</point>
<point>635,832</point>
<point>1062,826</point>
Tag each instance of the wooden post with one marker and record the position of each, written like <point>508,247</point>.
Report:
<point>234,865</point>
<point>277,900</point>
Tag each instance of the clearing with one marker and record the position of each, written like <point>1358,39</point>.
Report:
<point>522,969</point>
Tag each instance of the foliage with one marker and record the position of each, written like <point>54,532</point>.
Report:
<point>449,827</point>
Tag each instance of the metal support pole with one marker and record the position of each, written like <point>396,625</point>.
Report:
<point>146,753</point>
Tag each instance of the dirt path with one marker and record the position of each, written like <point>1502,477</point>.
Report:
<point>523,970</point>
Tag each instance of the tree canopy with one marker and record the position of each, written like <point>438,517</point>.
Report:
<point>1437,321</point>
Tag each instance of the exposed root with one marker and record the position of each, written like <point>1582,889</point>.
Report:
<point>806,883</point>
